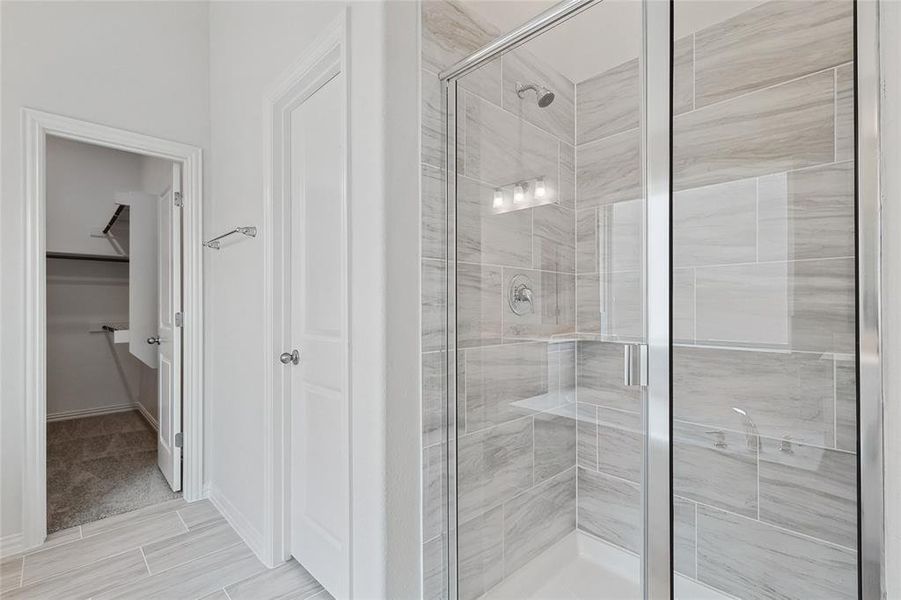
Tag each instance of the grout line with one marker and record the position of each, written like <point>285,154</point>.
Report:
<point>144,557</point>
<point>696,540</point>
<point>180,518</point>
<point>227,595</point>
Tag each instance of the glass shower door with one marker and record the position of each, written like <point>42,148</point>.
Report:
<point>764,347</point>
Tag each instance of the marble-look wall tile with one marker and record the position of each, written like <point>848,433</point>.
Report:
<point>587,434</point>
<point>609,170</point>
<point>777,129</point>
<point>434,214</point>
<point>620,444</point>
<point>503,383</point>
<point>493,465</point>
<point>553,306</point>
<point>500,149</point>
<point>478,304</point>
<point>716,467</point>
<point>451,33</point>
<point>609,103</point>
<point>434,401</point>
<point>809,490</point>
<point>684,523</point>
<point>769,44</point>
<point>434,304</point>
<point>555,443</point>
<point>620,227</point>
<point>845,403</point>
<point>553,238</point>
<point>432,134</point>
<point>480,560</point>
<point>610,509</point>
<point>434,572</point>
<point>683,305</point>
<point>782,393</point>
<point>486,237</point>
<point>715,224</point>
<point>434,491</point>
<point>522,66</point>
<point>683,75</point>
<point>750,559</point>
<point>844,113</point>
<point>599,377</point>
<point>811,215</point>
<point>587,241</point>
<point>567,185</point>
<point>610,304</point>
<point>823,305</point>
<point>537,519</point>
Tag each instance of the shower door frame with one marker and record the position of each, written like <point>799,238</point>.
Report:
<point>657,508</point>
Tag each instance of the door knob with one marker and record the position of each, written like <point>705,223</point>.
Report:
<point>154,340</point>
<point>290,357</point>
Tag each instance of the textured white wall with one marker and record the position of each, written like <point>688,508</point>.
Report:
<point>82,59</point>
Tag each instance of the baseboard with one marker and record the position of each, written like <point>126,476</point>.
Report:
<point>240,524</point>
<point>147,416</point>
<point>11,545</point>
<point>65,415</point>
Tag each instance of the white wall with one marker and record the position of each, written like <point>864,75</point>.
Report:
<point>386,452</point>
<point>141,66</point>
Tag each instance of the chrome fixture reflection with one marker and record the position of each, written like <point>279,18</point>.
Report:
<point>545,96</point>
<point>520,296</point>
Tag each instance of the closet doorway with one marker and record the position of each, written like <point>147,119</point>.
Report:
<point>113,300</point>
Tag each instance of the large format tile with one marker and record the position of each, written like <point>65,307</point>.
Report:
<point>771,43</point>
<point>501,149</point>
<point>716,467</point>
<point>782,393</point>
<point>587,436</point>
<point>127,519</point>
<point>620,444</point>
<point>432,128</point>
<point>10,573</point>
<point>503,383</point>
<point>480,548</point>
<point>537,519</point>
<point>478,305</point>
<point>609,103</point>
<point>522,66</point>
<point>486,237</point>
<point>683,74</point>
<point>87,581</point>
<point>554,238</point>
<point>609,170</point>
<point>555,443</point>
<point>587,228</point>
<point>434,397</point>
<point>823,305</point>
<point>684,542</point>
<point>199,514</point>
<point>610,509</point>
<point>620,227</point>
<point>434,213</point>
<point>599,373</point>
<point>777,129</point>
<point>553,306</point>
<point>683,305</point>
<point>844,112</point>
<point>194,579</point>
<point>434,491</point>
<point>610,304</point>
<point>287,581</point>
<point>808,214</point>
<point>47,563</point>
<point>434,305</point>
<point>715,224</point>
<point>434,573</point>
<point>845,403</point>
<point>183,548</point>
<point>566,188</point>
<point>750,559</point>
<point>809,490</point>
<point>493,465</point>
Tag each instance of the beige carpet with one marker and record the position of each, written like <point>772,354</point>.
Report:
<point>101,466</point>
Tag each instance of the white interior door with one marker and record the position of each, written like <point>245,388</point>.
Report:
<point>320,496</point>
<point>169,333</point>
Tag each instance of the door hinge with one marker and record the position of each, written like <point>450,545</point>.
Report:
<point>179,199</point>
<point>179,319</point>
<point>179,440</point>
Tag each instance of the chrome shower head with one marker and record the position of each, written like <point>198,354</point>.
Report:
<point>544,95</point>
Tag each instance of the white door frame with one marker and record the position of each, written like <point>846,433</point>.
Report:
<point>327,55</point>
<point>36,126</point>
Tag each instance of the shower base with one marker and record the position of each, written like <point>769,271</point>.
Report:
<point>582,567</point>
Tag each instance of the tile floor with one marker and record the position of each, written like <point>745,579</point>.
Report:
<point>172,550</point>
<point>101,466</point>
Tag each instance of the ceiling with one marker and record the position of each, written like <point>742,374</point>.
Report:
<point>603,36</point>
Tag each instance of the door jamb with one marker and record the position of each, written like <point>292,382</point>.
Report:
<point>325,59</point>
<point>36,126</point>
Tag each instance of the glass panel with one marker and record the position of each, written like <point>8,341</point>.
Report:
<point>764,394</point>
<point>550,218</point>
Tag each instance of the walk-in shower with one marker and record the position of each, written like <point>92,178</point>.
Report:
<point>657,371</point>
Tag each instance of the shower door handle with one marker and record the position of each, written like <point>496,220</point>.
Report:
<point>635,365</point>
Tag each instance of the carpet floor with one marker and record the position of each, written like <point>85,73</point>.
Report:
<point>101,466</point>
